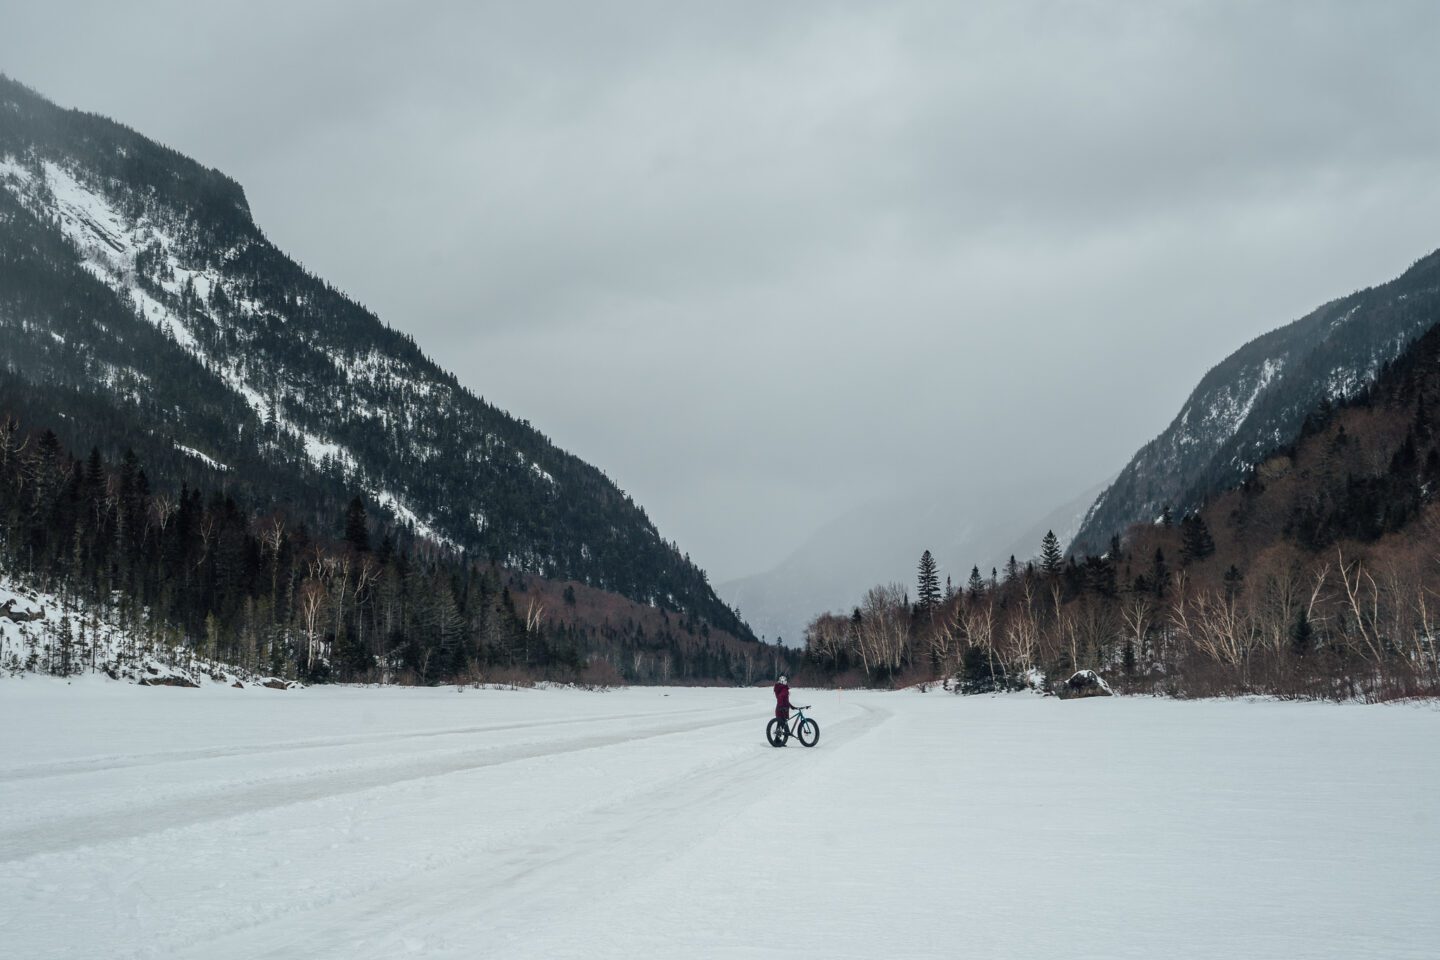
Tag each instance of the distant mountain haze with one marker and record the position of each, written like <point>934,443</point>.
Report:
<point>882,542</point>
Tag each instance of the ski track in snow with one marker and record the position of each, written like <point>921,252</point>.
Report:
<point>96,764</point>
<point>360,823</point>
<point>238,799</point>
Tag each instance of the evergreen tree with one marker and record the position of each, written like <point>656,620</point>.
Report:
<point>1051,559</point>
<point>95,474</point>
<point>927,590</point>
<point>976,585</point>
<point>1302,635</point>
<point>1234,582</point>
<point>1012,569</point>
<point>1406,459</point>
<point>357,526</point>
<point>1100,575</point>
<point>1195,540</point>
<point>1160,574</point>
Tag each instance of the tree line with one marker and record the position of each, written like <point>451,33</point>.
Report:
<point>197,570</point>
<point>1317,576</point>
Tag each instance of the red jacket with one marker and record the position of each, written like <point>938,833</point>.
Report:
<point>782,701</point>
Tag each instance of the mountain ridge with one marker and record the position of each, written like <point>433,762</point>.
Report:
<point>217,350</point>
<point>1257,398</point>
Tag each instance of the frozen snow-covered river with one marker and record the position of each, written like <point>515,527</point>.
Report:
<point>355,823</point>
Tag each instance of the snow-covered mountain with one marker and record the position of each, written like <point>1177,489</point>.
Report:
<point>1257,399</point>
<point>141,306</point>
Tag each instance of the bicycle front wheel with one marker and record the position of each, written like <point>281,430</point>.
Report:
<point>809,732</point>
<point>776,733</point>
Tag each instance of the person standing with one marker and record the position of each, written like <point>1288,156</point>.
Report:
<point>782,699</point>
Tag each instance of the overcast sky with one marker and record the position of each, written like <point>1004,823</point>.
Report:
<point>763,263</point>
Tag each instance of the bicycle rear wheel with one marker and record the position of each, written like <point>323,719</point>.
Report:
<point>809,732</point>
<point>776,732</point>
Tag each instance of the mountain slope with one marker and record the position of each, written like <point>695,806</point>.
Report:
<point>141,306</point>
<point>1258,397</point>
<point>118,574</point>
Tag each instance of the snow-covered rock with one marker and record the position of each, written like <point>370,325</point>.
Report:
<point>1084,683</point>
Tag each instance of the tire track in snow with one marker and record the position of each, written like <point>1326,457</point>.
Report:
<point>64,768</point>
<point>556,869</point>
<point>57,835</point>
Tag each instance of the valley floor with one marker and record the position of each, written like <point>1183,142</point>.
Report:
<point>354,823</point>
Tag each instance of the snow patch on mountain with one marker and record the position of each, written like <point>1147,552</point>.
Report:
<point>1224,412</point>
<point>109,243</point>
<point>534,468</point>
<point>393,503</point>
<point>208,460</point>
<point>1268,371</point>
<point>322,451</point>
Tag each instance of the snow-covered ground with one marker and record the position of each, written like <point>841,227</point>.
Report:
<point>355,823</point>
<point>66,638</point>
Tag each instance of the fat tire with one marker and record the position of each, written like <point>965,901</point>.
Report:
<point>776,733</point>
<point>809,732</point>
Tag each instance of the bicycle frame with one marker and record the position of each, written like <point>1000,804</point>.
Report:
<point>792,723</point>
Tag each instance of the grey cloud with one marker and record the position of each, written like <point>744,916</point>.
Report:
<point>766,263</point>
